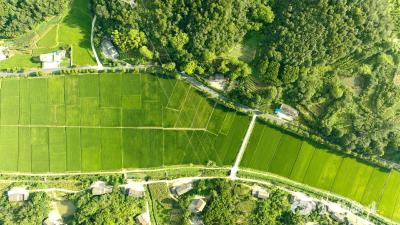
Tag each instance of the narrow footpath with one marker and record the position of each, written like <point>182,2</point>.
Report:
<point>239,156</point>
<point>99,65</point>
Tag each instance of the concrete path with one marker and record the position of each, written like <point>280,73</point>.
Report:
<point>99,65</point>
<point>245,141</point>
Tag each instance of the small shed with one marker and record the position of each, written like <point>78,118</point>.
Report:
<point>133,189</point>
<point>258,192</point>
<point>100,188</point>
<point>182,189</point>
<point>18,194</point>
<point>197,205</point>
<point>143,218</point>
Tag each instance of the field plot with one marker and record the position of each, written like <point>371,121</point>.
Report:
<point>112,121</point>
<point>70,29</point>
<point>274,151</point>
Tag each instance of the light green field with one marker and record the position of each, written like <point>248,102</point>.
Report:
<point>271,150</point>
<point>112,121</point>
<point>71,29</point>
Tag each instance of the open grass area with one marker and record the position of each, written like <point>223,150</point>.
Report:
<point>108,122</point>
<point>272,150</point>
<point>70,29</point>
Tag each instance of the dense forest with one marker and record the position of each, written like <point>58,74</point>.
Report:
<point>113,208</point>
<point>337,62</point>
<point>31,212</point>
<point>20,16</point>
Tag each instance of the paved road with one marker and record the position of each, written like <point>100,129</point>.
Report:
<point>99,65</point>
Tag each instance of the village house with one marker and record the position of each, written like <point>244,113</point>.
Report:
<point>143,219</point>
<point>52,60</point>
<point>100,188</point>
<point>260,193</point>
<point>133,189</point>
<point>108,49</point>
<point>217,82</point>
<point>197,205</point>
<point>182,189</point>
<point>301,203</point>
<point>18,194</point>
<point>3,53</point>
<point>286,112</point>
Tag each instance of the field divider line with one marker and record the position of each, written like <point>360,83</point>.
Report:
<point>104,127</point>
<point>182,106</point>
<point>212,113</point>
<point>258,144</point>
<point>239,156</point>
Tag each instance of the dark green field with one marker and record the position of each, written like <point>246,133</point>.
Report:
<point>277,152</point>
<point>112,121</point>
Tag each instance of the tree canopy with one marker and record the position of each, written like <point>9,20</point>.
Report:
<point>19,16</point>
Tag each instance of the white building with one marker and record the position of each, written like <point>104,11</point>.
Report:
<point>18,194</point>
<point>52,60</point>
<point>3,53</point>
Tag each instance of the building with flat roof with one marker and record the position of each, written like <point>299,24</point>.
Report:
<point>52,60</point>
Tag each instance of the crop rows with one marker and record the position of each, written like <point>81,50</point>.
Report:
<point>272,150</point>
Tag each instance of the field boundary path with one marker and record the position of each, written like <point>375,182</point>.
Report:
<point>245,141</point>
<point>99,65</point>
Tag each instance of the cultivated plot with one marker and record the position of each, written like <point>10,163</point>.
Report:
<point>274,151</point>
<point>108,122</point>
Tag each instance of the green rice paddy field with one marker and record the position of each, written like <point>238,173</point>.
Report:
<point>277,152</point>
<point>111,121</point>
